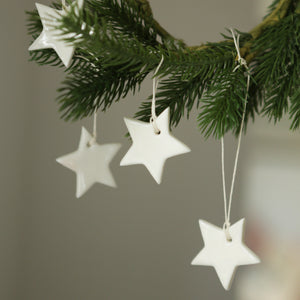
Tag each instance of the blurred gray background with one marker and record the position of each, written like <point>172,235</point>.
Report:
<point>137,241</point>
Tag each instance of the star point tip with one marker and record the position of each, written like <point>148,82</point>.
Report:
<point>79,193</point>
<point>203,222</point>
<point>58,160</point>
<point>256,259</point>
<point>227,283</point>
<point>158,179</point>
<point>114,185</point>
<point>129,121</point>
<point>188,149</point>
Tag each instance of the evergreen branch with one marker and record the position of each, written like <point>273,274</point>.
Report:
<point>34,24</point>
<point>277,69</point>
<point>82,94</point>
<point>223,105</point>
<point>278,11</point>
<point>115,74</point>
<point>146,10</point>
<point>119,43</point>
<point>295,109</point>
<point>191,74</point>
<point>125,16</point>
<point>131,17</point>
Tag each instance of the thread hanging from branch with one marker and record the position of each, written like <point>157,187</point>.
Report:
<point>227,207</point>
<point>153,107</point>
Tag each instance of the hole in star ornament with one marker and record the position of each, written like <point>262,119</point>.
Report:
<point>152,149</point>
<point>51,37</point>
<point>223,255</point>
<point>90,162</point>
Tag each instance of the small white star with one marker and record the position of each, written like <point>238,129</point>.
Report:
<point>90,163</point>
<point>152,149</point>
<point>223,255</point>
<point>52,37</point>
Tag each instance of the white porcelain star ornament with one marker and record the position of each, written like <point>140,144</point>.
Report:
<point>52,37</point>
<point>150,148</point>
<point>225,256</point>
<point>90,163</point>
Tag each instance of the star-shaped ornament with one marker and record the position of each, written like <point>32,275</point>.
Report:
<point>150,148</point>
<point>225,256</point>
<point>90,163</point>
<point>52,37</point>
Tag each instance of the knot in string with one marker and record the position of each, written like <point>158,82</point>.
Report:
<point>241,61</point>
<point>153,112</point>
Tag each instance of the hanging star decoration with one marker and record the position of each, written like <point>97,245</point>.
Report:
<point>150,148</point>
<point>51,37</point>
<point>224,255</point>
<point>90,163</point>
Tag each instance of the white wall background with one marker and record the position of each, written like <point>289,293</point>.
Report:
<point>135,242</point>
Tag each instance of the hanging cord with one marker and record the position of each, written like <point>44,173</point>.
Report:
<point>63,2</point>
<point>155,85</point>
<point>227,209</point>
<point>94,137</point>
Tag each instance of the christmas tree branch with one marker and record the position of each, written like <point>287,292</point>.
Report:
<point>146,9</point>
<point>274,17</point>
<point>119,43</point>
<point>278,12</point>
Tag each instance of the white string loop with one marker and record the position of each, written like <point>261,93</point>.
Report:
<point>226,228</point>
<point>94,136</point>
<point>227,209</point>
<point>155,85</point>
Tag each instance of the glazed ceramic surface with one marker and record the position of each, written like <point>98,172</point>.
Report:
<point>225,256</point>
<point>90,163</point>
<point>52,37</point>
<point>152,149</point>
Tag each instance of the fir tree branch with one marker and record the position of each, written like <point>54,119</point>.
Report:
<point>277,71</point>
<point>118,43</point>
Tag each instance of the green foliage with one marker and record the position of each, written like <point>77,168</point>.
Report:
<point>118,43</point>
<point>127,19</point>
<point>277,70</point>
<point>223,104</point>
<point>190,74</point>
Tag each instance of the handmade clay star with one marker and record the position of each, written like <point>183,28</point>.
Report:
<point>52,37</point>
<point>225,256</point>
<point>150,148</point>
<point>90,163</point>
